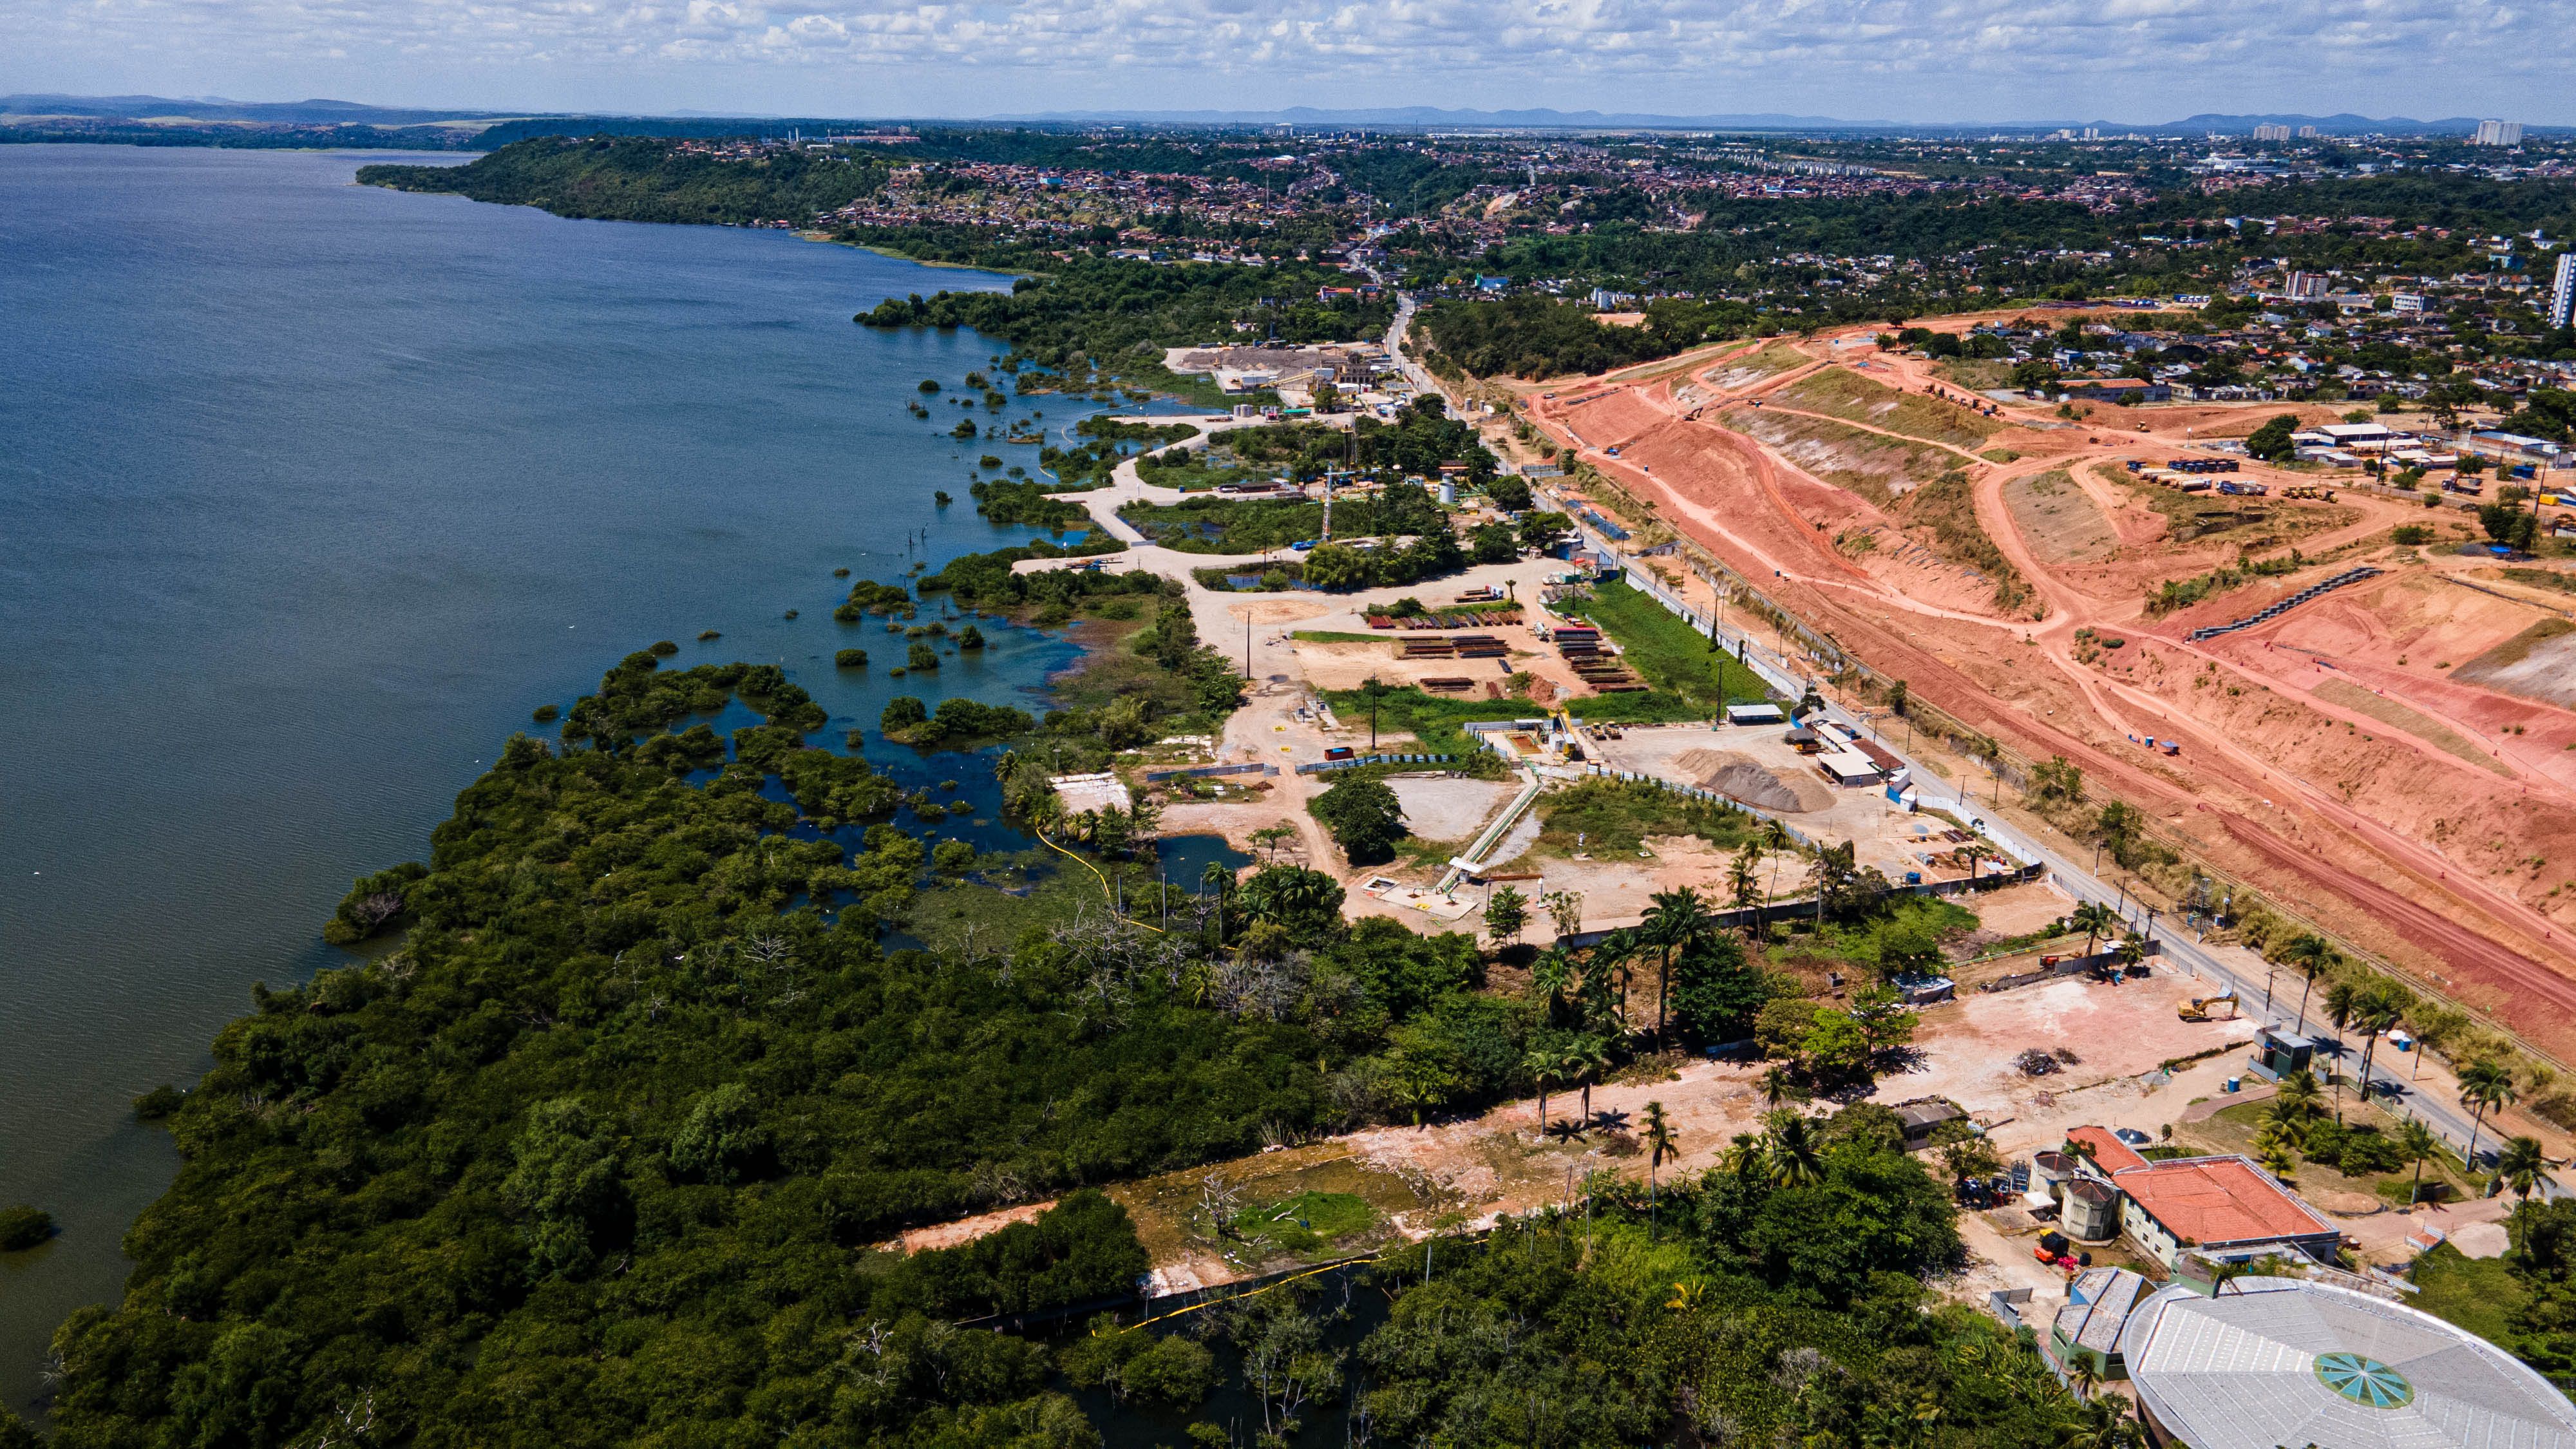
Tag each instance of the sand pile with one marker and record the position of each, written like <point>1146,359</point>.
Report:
<point>1748,780</point>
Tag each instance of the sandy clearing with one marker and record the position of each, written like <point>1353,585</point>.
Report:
<point>1442,809</point>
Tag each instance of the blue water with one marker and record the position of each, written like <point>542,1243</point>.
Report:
<point>310,492</point>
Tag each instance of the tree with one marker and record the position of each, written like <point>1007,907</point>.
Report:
<point>1588,1057</point>
<point>1674,919</point>
<point>1661,1143</point>
<point>1552,981</point>
<point>1506,912</point>
<point>2314,958</point>
<point>1565,912</point>
<point>2271,442</point>
<point>1336,567</point>
<point>1269,838</point>
<point>2343,1003</point>
<point>1789,1150</point>
<point>2522,1166</point>
<point>1547,1068</point>
<point>1494,543</point>
<point>1364,816</point>
<point>2508,525</point>
<point>1307,904</point>
<point>2057,781</point>
<point>2092,918</point>
<point>2487,1086</point>
<point>1744,885</point>
<point>2417,1144</point>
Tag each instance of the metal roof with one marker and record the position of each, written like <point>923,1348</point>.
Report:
<point>2278,1361</point>
<point>2099,1302</point>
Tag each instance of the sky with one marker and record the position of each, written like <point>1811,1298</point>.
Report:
<point>1903,60</point>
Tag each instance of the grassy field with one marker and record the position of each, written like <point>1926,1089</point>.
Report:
<point>2233,1131</point>
<point>1855,399</point>
<point>2479,1294</point>
<point>1771,361</point>
<point>1669,654</point>
<point>1613,817</point>
<point>1431,719</point>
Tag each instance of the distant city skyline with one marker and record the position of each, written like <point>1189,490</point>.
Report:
<point>1898,60</point>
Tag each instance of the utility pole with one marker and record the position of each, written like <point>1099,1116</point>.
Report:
<point>1247,645</point>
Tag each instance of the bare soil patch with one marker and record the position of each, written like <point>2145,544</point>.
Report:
<point>1449,809</point>
<point>2397,716</point>
<point>2058,519</point>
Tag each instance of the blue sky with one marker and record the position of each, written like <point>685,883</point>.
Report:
<point>1918,60</point>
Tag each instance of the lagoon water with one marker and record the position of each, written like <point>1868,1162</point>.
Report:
<point>309,493</point>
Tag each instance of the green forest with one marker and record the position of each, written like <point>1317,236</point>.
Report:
<point>1096,318</point>
<point>638,179</point>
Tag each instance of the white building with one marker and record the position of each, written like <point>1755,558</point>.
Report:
<point>2562,296</point>
<point>2497,133</point>
<point>2271,1361</point>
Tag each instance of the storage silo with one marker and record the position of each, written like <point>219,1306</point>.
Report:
<point>2091,1210</point>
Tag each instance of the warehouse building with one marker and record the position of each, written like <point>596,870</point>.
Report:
<point>2273,1361</point>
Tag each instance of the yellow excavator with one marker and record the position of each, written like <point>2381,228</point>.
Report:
<point>2207,1008</point>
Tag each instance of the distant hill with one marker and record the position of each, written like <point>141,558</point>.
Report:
<point>508,126</point>
<point>215,108</point>
<point>1432,116</point>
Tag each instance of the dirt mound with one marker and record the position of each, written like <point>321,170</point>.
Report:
<point>1748,780</point>
<point>2349,1204</point>
<point>2538,663</point>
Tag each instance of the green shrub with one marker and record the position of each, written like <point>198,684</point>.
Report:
<point>850,659</point>
<point>23,1227</point>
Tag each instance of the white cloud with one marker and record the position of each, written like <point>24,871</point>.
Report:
<point>2142,60</point>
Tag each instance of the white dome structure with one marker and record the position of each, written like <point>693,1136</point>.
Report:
<point>2283,1361</point>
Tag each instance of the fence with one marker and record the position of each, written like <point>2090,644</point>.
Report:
<point>1331,765</point>
<point>2067,966</point>
<point>1205,771</point>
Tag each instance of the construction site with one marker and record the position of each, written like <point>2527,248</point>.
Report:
<point>2374,734</point>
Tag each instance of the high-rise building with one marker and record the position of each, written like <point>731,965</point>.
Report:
<point>2497,133</point>
<point>2562,297</point>
<point>2307,133</point>
<point>2269,132</point>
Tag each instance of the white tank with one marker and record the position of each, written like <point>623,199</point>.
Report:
<point>2091,1210</point>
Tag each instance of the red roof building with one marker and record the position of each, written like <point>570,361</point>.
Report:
<point>2220,1206</point>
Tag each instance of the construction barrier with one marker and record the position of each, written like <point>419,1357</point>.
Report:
<point>1329,765</point>
<point>1206,771</point>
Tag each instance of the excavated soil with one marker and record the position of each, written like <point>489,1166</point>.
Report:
<point>2060,520</point>
<point>1745,778</point>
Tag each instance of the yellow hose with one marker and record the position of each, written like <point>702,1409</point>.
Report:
<point>1105,891</point>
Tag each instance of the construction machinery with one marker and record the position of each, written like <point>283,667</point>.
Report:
<point>2208,1008</point>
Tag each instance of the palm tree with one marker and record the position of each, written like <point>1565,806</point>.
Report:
<point>1790,1151</point>
<point>1743,1159</point>
<point>2298,1091</point>
<point>1776,1086</point>
<point>2417,1144</point>
<point>1547,1069</point>
<point>2343,1003</point>
<point>1219,877</point>
<point>1660,1143</point>
<point>1589,1057</point>
<point>1774,839</point>
<point>2131,950</point>
<point>1552,980</point>
<point>2312,956</point>
<point>1744,882</point>
<point>2521,1166</point>
<point>2092,918</point>
<point>1675,920</point>
<point>1609,964</point>
<point>2083,1375</point>
<point>2487,1086</point>
<point>2379,1012</point>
